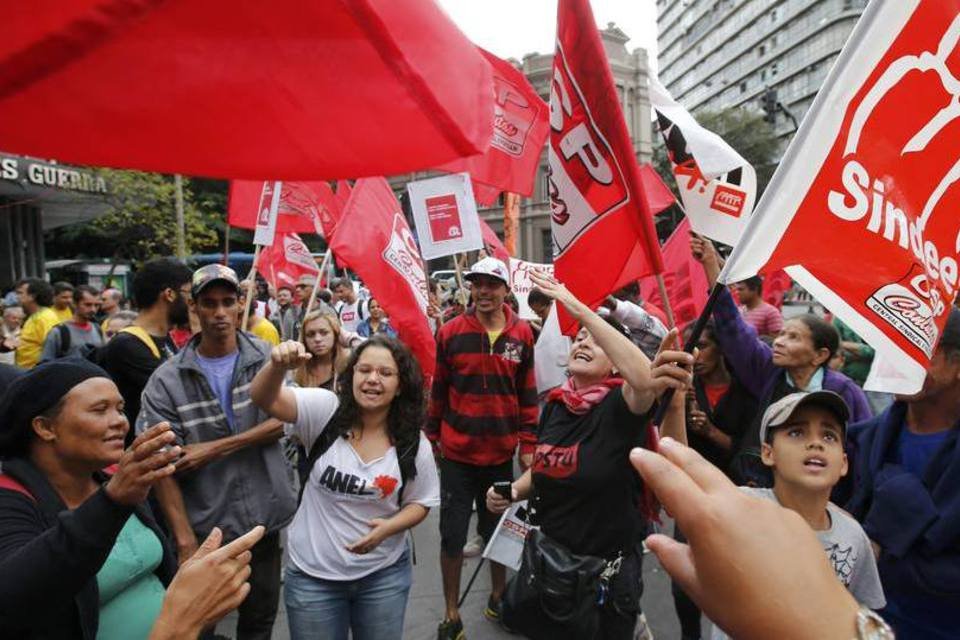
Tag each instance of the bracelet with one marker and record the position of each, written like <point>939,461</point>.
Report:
<point>871,626</point>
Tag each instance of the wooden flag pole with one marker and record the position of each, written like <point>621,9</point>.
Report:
<point>459,272</point>
<point>253,279</point>
<point>667,309</point>
<point>313,294</point>
<point>226,247</point>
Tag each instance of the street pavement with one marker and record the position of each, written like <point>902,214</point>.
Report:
<point>425,606</point>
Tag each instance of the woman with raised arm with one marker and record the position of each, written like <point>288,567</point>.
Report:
<point>371,477</point>
<point>582,488</point>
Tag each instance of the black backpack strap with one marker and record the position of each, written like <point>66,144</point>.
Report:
<point>64,332</point>
<point>407,460</point>
<point>320,446</point>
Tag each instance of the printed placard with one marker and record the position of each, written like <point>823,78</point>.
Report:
<point>445,215</point>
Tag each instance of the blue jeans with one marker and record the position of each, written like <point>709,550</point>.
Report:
<point>372,607</point>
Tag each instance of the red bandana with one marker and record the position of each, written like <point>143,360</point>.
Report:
<point>580,401</point>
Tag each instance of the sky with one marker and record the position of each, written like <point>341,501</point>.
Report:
<point>514,28</point>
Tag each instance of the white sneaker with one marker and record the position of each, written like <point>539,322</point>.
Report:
<point>474,547</point>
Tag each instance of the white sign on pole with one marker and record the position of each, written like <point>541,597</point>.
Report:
<point>520,284</point>
<point>506,543</point>
<point>445,215</point>
<point>267,214</point>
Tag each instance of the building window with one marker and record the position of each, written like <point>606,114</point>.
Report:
<point>743,87</point>
<point>761,50</point>
<point>546,245</point>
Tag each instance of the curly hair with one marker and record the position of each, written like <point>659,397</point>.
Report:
<point>302,375</point>
<point>408,409</point>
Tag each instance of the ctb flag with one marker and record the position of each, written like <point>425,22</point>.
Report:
<point>863,208</point>
<point>603,235</point>
<point>373,239</point>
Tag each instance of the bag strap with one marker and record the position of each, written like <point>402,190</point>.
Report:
<point>323,442</point>
<point>145,338</point>
<point>64,332</point>
<point>12,484</point>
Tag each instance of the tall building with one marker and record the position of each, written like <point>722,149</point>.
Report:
<point>630,76</point>
<point>717,54</point>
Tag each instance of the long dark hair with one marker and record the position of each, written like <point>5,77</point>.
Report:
<point>408,408</point>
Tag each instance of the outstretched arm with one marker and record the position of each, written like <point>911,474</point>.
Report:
<point>267,390</point>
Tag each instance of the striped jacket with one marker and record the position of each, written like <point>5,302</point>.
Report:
<point>249,487</point>
<point>484,397</point>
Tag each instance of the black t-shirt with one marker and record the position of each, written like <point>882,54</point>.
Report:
<point>588,492</point>
<point>130,363</point>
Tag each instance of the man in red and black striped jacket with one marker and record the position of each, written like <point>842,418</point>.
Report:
<point>483,404</point>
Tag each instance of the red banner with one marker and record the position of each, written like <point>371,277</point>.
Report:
<point>683,276</point>
<point>303,205</point>
<point>603,233</point>
<point>288,258</point>
<point>519,131</point>
<point>492,244</point>
<point>659,196</point>
<point>863,208</point>
<point>284,90</point>
<point>373,239</point>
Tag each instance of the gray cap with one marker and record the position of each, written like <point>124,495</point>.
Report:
<point>780,411</point>
<point>211,273</point>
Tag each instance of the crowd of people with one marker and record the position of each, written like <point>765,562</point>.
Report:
<point>154,451</point>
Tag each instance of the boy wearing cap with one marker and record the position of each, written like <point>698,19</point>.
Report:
<point>483,404</point>
<point>233,474</point>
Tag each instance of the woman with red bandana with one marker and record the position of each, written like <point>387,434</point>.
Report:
<point>583,490</point>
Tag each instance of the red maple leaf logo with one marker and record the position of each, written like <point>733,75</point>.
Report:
<point>386,484</point>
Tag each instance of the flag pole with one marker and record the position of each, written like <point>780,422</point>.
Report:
<point>694,338</point>
<point>667,309</point>
<point>226,247</point>
<point>313,294</point>
<point>252,277</point>
<point>458,269</point>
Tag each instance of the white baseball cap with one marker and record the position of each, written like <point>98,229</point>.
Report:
<point>490,267</point>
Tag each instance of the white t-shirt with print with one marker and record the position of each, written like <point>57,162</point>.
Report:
<point>343,494</point>
<point>351,315</point>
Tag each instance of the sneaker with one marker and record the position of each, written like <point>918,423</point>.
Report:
<point>492,612</point>
<point>474,547</point>
<point>450,630</point>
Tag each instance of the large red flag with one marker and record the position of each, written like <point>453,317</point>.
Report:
<point>603,235</point>
<point>659,196</point>
<point>683,277</point>
<point>520,129</point>
<point>288,258</point>
<point>281,90</point>
<point>301,210</point>
<point>373,239</point>
<point>862,211</point>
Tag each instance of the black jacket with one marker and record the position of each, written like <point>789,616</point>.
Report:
<point>733,415</point>
<point>50,556</point>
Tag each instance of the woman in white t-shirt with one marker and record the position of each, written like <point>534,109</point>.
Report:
<point>349,563</point>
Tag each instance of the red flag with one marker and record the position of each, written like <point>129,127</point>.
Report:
<point>775,286</point>
<point>288,258</point>
<point>373,239</point>
<point>683,276</point>
<point>302,205</point>
<point>603,235</point>
<point>659,196</point>
<point>862,211</point>
<point>492,244</point>
<point>281,90</point>
<point>484,194</point>
<point>519,131</point>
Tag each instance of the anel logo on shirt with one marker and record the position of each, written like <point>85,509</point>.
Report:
<point>556,462</point>
<point>352,485</point>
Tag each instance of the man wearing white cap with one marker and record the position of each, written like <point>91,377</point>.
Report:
<point>483,404</point>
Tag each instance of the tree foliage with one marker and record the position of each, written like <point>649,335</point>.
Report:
<point>140,222</point>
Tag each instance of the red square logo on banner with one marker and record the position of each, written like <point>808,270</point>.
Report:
<point>444,217</point>
<point>728,200</point>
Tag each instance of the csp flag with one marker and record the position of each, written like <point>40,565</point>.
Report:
<point>603,234</point>
<point>373,239</point>
<point>863,209</point>
<point>717,186</point>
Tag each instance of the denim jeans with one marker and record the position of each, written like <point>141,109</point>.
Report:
<point>372,608</point>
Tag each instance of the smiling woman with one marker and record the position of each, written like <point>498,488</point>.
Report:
<point>370,477</point>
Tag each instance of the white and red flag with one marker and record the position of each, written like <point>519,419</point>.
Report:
<point>717,186</point>
<point>520,129</point>
<point>862,211</point>
<point>373,239</point>
<point>603,235</point>
<point>286,260</point>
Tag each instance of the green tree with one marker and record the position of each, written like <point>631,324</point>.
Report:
<point>140,221</point>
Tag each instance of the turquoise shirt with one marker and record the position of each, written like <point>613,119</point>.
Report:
<point>130,593</point>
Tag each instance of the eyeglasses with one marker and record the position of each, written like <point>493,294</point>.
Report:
<point>366,371</point>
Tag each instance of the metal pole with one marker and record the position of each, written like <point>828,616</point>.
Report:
<point>470,584</point>
<point>226,247</point>
<point>181,225</point>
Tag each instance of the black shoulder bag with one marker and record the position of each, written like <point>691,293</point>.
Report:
<point>557,593</point>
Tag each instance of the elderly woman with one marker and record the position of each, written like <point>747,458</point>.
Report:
<point>583,490</point>
<point>80,554</point>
